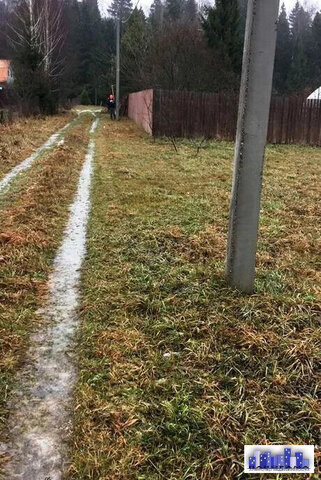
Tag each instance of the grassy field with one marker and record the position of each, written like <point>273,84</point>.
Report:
<point>19,140</point>
<point>32,218</point>
<point>177,371</point>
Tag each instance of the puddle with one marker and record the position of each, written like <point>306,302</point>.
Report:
<point>40,405</point>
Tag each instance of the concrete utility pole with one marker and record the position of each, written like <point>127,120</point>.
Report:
<point>253,117</point>
<point>117,65</point>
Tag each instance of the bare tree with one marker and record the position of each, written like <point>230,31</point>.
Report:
<point>37,38</point>
<point>51,35</point>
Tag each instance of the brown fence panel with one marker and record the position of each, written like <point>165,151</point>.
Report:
<point>189,114</point>
<point>214,115</point>
<point>295,120</point>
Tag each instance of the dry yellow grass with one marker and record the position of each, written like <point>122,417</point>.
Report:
<point>19,140</point>
<point>32,224</point>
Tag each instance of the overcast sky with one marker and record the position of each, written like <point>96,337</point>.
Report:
<point>289,3</point>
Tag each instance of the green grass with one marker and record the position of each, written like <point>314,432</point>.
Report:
<point>176,370</point>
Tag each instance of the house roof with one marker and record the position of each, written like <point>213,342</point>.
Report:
<point>4,70</point>
<point>316,95</point>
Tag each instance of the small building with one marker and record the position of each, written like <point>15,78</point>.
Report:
<point>6,76</point>
<point>316,95</point>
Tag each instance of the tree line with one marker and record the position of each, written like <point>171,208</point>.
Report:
<point>65,49</point>
<point>60,50</point>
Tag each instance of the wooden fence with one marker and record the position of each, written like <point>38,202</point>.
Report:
<point>186,114</point>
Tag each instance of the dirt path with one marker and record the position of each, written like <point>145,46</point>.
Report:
<point>53,140</point>
<point>20,139</point>
<point>39,419</point>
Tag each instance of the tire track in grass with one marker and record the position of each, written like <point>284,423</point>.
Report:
<point>52,141</point>
<point>32,225</point>
<point>40,417</point>
<point>20,139</point>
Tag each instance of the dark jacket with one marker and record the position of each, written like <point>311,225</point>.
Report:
<point>111,104</point>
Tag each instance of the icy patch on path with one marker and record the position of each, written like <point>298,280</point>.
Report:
<point>40,405</point>
<point>93,112</point>
<point>7,179</point>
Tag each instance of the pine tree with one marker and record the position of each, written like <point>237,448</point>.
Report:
<point>134,52</point>
<point>300,22</point>
<point>300,72</point>
<point>174,9</point>
<point>190,9</point>
<point>315,54</point>
<point>4,16</point>
<point>156,15</point>
<point>84,98</point>
<point>89,52</point>
<point>294,18</point>
<point>94,40</point>
<point>283,53</point>
<point>121,9</point>
<point>71,29</point>
<point>222,28</point>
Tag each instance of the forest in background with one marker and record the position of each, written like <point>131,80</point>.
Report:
<point>65,49</point>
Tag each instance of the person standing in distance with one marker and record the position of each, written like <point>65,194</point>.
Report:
<point>111,105</point>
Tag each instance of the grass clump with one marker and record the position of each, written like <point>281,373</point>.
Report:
<point>177,370</point>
